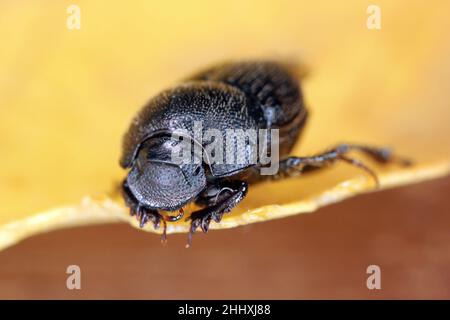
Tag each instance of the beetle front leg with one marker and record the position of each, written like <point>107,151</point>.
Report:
<point>142,213</point>
<point>339,153</point>
<point>220,198</point>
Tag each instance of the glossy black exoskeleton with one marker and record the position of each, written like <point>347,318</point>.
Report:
<point>243,95</point>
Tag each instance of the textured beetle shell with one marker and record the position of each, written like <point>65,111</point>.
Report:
<point>246,95</point>
<point>269,87</point>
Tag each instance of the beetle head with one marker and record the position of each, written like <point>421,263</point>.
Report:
<point>158,182</point>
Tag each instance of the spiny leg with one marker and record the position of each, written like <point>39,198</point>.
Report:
<point>142,213</point>
<point>306,164</point>
<point>220,198</point>
<point>379,154</point>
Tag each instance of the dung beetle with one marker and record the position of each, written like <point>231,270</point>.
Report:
<point>246,95</point>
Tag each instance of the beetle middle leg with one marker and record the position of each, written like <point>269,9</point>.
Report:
<point>339,153</point>
<point>219,198</point>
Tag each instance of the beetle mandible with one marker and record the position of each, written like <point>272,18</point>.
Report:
<point>249,95</point>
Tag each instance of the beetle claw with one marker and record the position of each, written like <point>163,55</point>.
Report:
<point>205,223</point>
<point>200,219</point>
<point>143,218</point>
<point>156,222</point>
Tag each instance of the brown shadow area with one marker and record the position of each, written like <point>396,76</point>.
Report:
<point>405,231</point>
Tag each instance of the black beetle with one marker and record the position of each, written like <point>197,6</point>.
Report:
<point>243,95</point>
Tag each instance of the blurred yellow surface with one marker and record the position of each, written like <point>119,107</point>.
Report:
<point>67,96</point>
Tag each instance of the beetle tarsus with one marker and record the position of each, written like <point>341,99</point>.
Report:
<point>361,165</point>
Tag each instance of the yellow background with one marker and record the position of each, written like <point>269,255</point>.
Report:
<point>67,96</point>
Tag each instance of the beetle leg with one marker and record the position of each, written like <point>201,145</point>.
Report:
<point>227,195</point>
<point>143,214</point>
<point>306,164</point>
